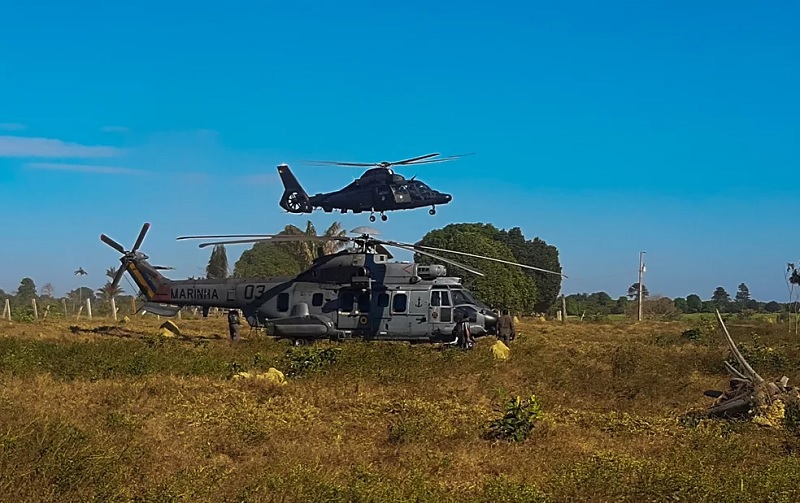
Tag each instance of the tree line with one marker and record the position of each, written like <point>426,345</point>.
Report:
<point>506,287</point>
<point>21,301</point>
<point>601,303</point>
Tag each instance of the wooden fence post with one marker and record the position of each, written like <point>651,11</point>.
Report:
<point>64,304</point>
<point>89,308</point>
<point>114,308</point>
<point>35,309</point>
<point>7,310</point>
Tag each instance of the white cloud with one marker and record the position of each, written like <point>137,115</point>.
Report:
<point>20,146</point>
<point>83,168</point>
<point>11,126</point>
<point>114,129</point>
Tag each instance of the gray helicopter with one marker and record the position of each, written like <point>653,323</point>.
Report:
<point>355,293</point>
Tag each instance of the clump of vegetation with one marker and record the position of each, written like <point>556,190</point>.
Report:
<point>791,416</point>
<point>703,328</point>
<point>519,418</point>
<point>624,361</point>
<point>763,357</point>
<point>305,360</point>
<point>94,411</point>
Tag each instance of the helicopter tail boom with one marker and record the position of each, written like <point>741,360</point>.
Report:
<point>294,199</point>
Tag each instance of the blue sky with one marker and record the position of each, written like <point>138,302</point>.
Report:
<point>603,128</point>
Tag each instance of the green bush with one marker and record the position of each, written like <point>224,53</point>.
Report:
<point>791,416</point>
<point>763,358</point>
<point>305,360</point>
<point>703,328</point>
<point>519,417</point>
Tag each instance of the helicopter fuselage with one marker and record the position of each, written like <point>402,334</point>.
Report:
<point>345,295</point>
<point>378,189</point>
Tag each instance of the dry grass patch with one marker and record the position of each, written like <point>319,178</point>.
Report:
<point>113,413</point>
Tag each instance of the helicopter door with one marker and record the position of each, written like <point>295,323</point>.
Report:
<point>383,195</point>
<point>441,309</point>
<point>354,309</point>
<point>418,316</point>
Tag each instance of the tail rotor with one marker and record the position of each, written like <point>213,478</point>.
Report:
<point>127,256</point>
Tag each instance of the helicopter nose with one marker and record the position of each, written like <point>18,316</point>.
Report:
<point>446,197</point>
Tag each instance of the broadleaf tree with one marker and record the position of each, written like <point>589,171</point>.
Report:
<point>503,286</point>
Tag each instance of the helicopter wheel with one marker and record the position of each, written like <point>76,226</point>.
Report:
<point>372,218</point>
<point>432,211</point>
<point>384,217</point>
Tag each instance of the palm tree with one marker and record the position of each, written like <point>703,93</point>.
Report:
<point>80,272</point>
<point>307,251</point>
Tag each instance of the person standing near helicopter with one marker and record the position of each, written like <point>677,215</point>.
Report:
<point>234,324</point>
<point>462,332</point>
<point>506,331</point>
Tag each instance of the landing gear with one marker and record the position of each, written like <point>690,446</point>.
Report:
<point>384,217</point>
<point>372,217</point>
<point>432,211</point>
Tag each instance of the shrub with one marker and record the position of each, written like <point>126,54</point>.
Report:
<point>703,328</point>
<point>791,416</point>
<point>304,360</point>
<point>762,357</point>
<point>519,417</point>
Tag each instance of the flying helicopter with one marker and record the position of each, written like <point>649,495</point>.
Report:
<point>354,293</point>
<point>378,189</point>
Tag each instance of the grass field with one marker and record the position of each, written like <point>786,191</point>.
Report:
<point>92,411</point>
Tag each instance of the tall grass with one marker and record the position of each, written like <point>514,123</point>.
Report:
<point>114,413</point>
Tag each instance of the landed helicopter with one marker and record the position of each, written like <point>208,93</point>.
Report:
<point>378,189</point>
<point>354,293</point>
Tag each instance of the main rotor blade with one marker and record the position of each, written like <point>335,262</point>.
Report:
<point>219,236</point>
<point>412,159</point>
<point>492,259</point>
<point>437,257</point>
<point>280,239</point>
<point>139,240</point>
<point>113,244</point>
<point>338,163</point>
<point>441,159</point>
<point>118,277</point>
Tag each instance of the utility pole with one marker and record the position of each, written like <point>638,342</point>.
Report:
<point>641,278</point>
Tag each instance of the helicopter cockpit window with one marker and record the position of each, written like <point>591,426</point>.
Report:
<point>424,190</point>
<point>399,303</point>
<point>413,191</point>
<point>316,299</point>
<point>463,297</point>
<point>436,298</point>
